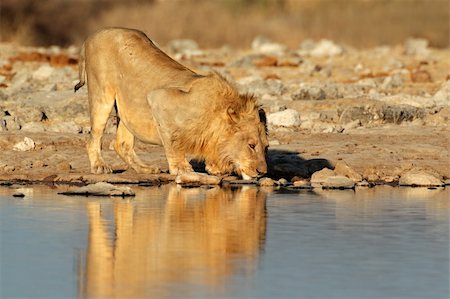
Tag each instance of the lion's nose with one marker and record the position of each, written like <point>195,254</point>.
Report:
<point>261,171</point>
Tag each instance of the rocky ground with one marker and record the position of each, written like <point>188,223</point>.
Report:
<point>368,116</point>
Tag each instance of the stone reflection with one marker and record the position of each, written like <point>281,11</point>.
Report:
<point>196,237</point>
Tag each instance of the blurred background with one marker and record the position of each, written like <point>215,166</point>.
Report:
<point>214,23</point>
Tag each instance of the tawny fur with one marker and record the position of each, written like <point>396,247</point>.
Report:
<point>160,101</point>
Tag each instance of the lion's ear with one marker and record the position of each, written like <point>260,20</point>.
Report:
<point>232,115</point>
<point>262,116</point>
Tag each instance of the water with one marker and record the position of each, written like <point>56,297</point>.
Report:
<point>169,242</point>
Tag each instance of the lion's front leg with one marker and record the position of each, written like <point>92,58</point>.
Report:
<point>213,169</point>
<point>178,163</point>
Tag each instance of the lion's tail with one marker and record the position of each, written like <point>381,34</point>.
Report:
<point>81,69</point>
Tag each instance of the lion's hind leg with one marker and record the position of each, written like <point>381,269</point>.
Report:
<point>124,147</point>
<point>100,106</point>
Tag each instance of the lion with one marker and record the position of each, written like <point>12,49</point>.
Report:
<point>161,102</point>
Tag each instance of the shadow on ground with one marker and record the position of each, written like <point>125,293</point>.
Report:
<point>284,164</point>
<point>289,164</point>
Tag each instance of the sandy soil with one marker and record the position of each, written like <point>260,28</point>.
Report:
<point>378,110</point>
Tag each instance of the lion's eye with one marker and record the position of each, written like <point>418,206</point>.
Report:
<point>252,146</point>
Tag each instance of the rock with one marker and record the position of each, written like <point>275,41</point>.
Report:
<point>337,182</point>
<point>442,96</point>
<point>10,123</point>
<point>283,182</point>
<point>9,168</point>
<point>42,73</point>
<point>302,183</point>
<point>38,164</point>
<point>182,45</point>
<point>26,145</point>
<point>261,87</point>
<point>363,184</point>
<point>393,81</point>
<point>326,48</point>
<point>309,93</point>
<point>320,176</point>
<point>266,182</point>
<point>63,166</point>
<point>286,118</point>
<point>400,113</point>
<point>195,178</point>
<point>419,178</point>
<point>416,46</point>
<point>101,189</point>
<point>320,127</point>
<point>264,45</point>
<point>342,168</point>
<point>352,125</point>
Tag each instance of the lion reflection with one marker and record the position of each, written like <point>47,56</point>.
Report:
<point>198,237</point>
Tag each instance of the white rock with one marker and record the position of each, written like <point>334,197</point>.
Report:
<point>442,96</point>
<point>321,175</point>
<point>419,178</point>
<point>326,47</point>
<point>416,46</point>
<point>286,118</point>
<point>101,189</point>
<point>338,182</point>
<point>264,45</point>
<point>26,145</point>
<point>42,73</point>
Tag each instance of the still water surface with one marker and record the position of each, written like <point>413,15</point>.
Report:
<point>169,242</point>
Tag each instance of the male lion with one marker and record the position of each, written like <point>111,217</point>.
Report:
<point>160,101</point>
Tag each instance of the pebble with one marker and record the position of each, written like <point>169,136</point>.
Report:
<point>63,166</point>
<point>266,182</point>
<point>283,182</point>
<point>285,118</point>
<point>363,184</point>
<point>26,145</point>
<point>342,168</point>
<point>326,47</point>
<point>309,93</point>
<point>337,182</point>
<point>419,178</point>
<point>264,45</point>
<point>416,46</point>
<point>302,184</point>
<point>321,175</point>
<point>42,73</point>
<point>442,96</point>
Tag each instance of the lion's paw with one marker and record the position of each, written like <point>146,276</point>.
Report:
<point>100,168</point>
<point>181,169</point>
<point>147,169</point>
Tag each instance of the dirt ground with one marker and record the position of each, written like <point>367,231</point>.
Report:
<point>383,111</point>
<point>378,154</point>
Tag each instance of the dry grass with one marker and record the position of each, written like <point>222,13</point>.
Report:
<point>361,23</point>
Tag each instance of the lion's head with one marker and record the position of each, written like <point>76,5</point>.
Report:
<point>242,147</point>
<point>225,128</point>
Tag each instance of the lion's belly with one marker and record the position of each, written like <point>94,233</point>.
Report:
<point>137,117</point>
